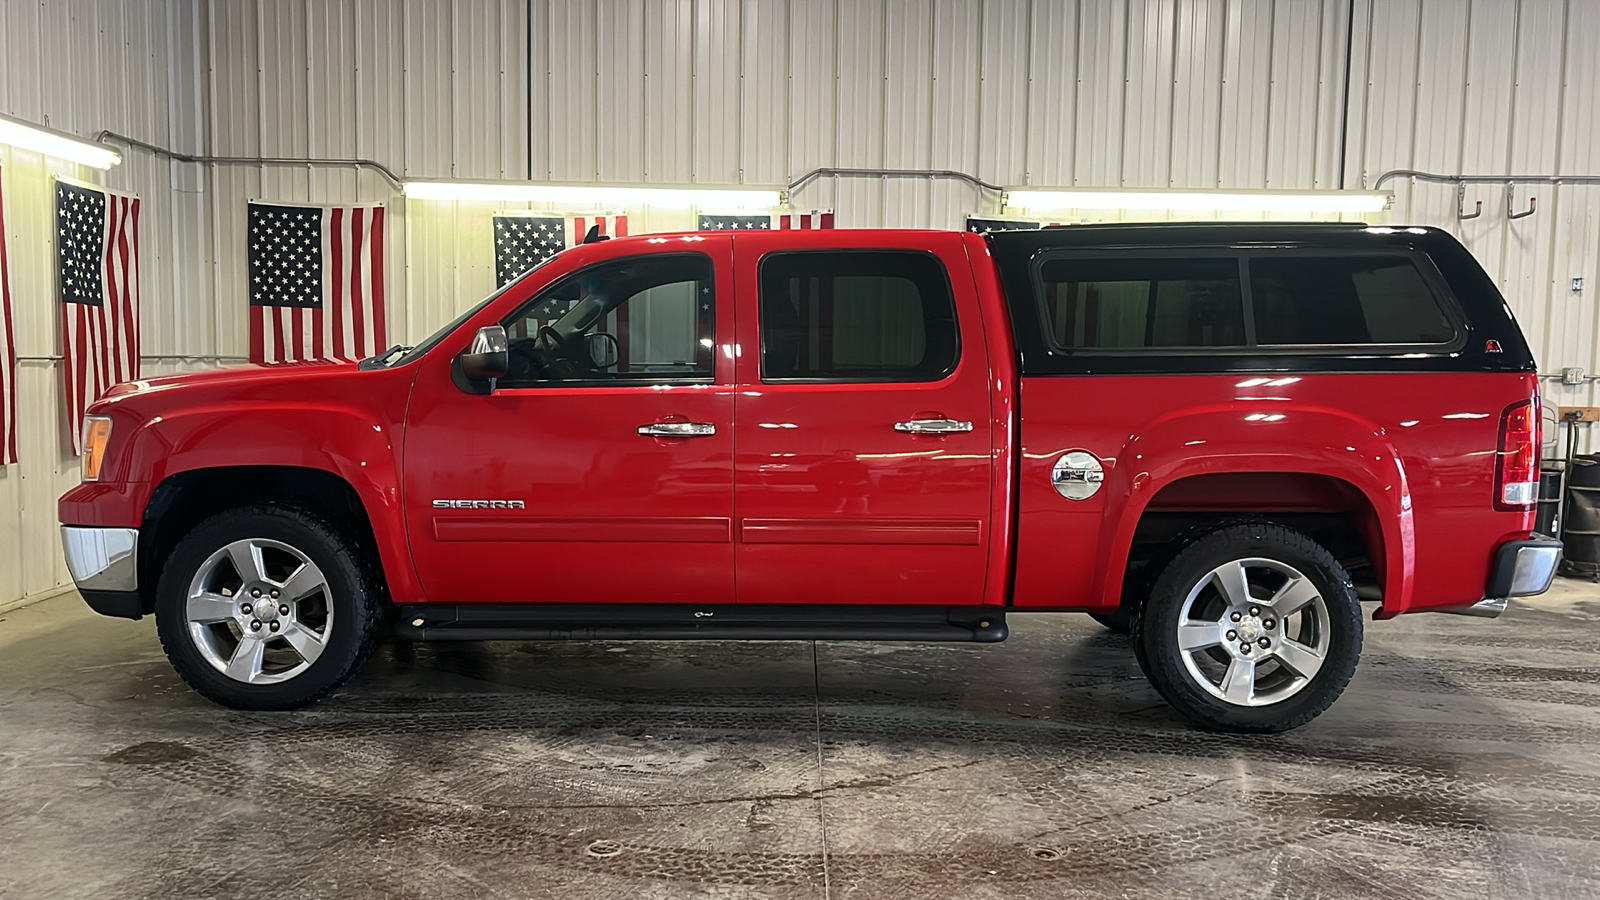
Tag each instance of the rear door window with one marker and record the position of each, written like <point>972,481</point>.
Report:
<point>856,315</point>
<point>1344,300</point>
<point>1140,302</point>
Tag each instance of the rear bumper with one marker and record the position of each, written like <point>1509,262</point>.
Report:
<point>1520,569</point>
<point>104,565</point>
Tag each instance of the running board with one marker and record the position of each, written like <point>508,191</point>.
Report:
<point>677,622</point>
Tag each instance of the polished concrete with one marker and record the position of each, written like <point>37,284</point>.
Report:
<point>1460,763</point>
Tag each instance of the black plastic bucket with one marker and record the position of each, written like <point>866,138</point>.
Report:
<point>1580,533</point>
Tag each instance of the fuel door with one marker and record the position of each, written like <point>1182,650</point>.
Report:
<point>1077,475</point>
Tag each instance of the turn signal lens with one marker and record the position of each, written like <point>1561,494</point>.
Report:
<point>1516,476</point>
<point>96,432</point>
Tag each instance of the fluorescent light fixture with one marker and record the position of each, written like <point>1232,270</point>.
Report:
<point>59,144</point>
<point>1201,200</point>
<point>518,191</point>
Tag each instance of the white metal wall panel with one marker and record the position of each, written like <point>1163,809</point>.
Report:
<point>1102,89</point>
<point>620,98</point>
<point>764,104</point>
<point>669,132</point>
<point>717,83</point>
<point>1053,89</point>
<point>1197,93</point>
<point>1246,78</point>
<point>1004,92</point>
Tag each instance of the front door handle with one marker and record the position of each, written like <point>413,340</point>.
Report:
<point>678,429</point>
<point>933,426</point>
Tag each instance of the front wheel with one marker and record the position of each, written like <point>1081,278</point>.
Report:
<point>1250,628</point>
<point>266,608</point>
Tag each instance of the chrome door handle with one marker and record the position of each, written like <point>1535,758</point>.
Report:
<point>678,429</point>
<point>933,426</point>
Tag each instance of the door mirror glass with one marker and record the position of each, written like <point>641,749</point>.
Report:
<point>604,349</point>
<point>487,357</point>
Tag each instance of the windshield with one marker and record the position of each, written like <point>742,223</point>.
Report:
<point>413,354</point>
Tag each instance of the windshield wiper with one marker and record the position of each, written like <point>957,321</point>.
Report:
<point>381,361</point>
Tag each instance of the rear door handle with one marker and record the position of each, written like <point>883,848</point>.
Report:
<point>933,426</point>
<point>678,429</point>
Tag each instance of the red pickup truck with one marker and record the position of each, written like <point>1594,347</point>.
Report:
<point>1222,438</point>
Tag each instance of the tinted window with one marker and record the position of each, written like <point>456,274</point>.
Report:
<point>1144,302</point>
<point>856,316</point>
<point>645,318</point>
<point>1344,300</point>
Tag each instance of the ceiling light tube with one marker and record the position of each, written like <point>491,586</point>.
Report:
<point>59,144</point>
<point>1200,200</point>
<point>501,192</point>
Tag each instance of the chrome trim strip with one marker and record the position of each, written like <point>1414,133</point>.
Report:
<point>102,559</point>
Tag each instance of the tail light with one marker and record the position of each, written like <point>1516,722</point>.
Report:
<point>1516,471</point>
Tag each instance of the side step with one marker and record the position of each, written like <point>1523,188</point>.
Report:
<point>677,622</point>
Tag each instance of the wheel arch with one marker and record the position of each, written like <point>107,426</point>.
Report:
<point>185,499</point>
<point>1330,466</point>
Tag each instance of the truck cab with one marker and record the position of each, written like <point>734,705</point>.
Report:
<point>1220,439</point>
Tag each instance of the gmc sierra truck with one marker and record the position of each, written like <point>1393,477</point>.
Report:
<point>1221,438</point>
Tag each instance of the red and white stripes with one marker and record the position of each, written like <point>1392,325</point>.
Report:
<point>816,218</point>
<point>8,355</point>
<point>100,344</point>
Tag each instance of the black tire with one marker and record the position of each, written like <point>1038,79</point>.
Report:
<point>354,604</point>
<point>1120,621</point>
<point>1155,628</point>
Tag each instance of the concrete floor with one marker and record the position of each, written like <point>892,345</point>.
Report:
<point>1460,763</point>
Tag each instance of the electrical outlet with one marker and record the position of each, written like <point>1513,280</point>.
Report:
<point>1572,375</point>
<point>1577,285</point>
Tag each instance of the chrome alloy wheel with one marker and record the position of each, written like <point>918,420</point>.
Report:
<point>259,611</point>
<point>1253,632</point>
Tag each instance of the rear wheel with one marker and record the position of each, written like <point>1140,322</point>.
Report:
<point>1252,628</point>
<point>266,608</point>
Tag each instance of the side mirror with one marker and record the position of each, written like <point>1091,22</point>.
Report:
<point>488,356</point>
<point>604,350</point>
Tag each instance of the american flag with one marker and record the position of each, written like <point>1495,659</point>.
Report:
<point>8,357</point>
<point>97,255</point>
<point>523,240</point>
<point>733,221</point>
<point>990,226</point>
<point>748,221</point>
<point>316,283</point>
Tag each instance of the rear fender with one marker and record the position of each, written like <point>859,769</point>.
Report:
<point>1231,439</point>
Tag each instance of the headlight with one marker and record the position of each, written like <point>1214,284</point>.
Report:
<point>96,432</point>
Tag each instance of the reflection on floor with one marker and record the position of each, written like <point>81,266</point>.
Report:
<point>1460,763</point>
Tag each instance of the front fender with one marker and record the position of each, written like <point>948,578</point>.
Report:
<point>344,422</point>
<point>1282,439</point>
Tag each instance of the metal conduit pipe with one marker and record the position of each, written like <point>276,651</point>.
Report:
<point>376,166</point>
<point>1484,179</point>
<point>814,174</point>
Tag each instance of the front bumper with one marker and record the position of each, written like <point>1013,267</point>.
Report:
<point>104,563</point>
<point>1520,569</point>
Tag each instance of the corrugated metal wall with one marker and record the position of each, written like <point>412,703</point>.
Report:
<point>1203,93</point>
<point>82,67</point>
